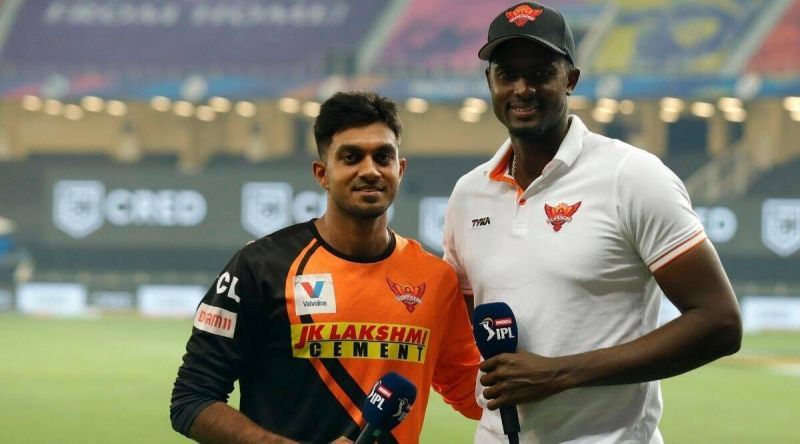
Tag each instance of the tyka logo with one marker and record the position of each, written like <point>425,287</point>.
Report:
<point>481,222</point>
<point>498,328</point>
<point>315,291</point>
<point>560,214</point>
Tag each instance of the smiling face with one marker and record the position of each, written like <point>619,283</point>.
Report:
<point>529,85</point>
<point>361,171</point>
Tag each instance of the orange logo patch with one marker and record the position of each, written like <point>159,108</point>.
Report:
<point>523,14</point>
<point>409,295</point>
<point>560,214</point>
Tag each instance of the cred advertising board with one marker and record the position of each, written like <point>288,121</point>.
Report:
<point>138,208</point>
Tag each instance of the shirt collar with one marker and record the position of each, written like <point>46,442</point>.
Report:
<point>567,153</point>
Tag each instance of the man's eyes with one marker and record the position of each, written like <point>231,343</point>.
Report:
<point>512,75</point>
<point>349,157</point>
<point>382,158</point>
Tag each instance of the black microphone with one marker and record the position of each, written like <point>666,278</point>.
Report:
<point>495,331</point>
<point>386,406</point>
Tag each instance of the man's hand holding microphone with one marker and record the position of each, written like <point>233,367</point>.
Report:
<point>511,377</point>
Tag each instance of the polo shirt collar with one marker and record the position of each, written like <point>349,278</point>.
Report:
<point>567,153</point>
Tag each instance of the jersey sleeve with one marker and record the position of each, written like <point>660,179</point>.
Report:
<point>457,365</point>
<point>214,350</point>
<point>450,246</point>
<point>655,210</point>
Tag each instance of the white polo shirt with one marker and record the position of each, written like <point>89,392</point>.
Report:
<point>573,255</point>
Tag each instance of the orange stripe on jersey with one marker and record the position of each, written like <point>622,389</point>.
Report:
<point>330,381</point>
<point>679,250</point>
<point>289,284</point>
<point>353,410</point>
<point>500,173</point>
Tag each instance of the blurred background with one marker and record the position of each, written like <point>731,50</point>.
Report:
<point>143,142</point>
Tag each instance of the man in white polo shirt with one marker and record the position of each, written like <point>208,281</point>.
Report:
<point>581,235</point>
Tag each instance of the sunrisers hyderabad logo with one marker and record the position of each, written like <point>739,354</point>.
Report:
<point>409,295</point>
<point>523,14</point>
<point>560,214</point>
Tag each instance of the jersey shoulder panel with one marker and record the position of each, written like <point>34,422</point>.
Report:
<point>414,252</point>
<point>474,177</point>
<point>290,239</point>
<point>598,144</point>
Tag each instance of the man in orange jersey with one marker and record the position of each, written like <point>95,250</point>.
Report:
<point>309,317</point>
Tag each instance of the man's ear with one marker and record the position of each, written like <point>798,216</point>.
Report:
<point>320,170</point>
<point>572,79</point>
<point>403,163</point>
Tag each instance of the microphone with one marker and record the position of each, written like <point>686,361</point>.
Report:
<point>386,406</point>
<point>495,331</point>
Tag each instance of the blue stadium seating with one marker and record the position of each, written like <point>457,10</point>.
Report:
<point>681,37</point>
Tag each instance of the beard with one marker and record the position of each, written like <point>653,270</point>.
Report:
<point>527,133</point>
<point>362,212</point>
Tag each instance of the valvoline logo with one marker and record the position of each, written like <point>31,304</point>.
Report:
<point>315,291</point>
<point>314,294</point>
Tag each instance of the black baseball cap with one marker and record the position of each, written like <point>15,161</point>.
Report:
<point>530,21</point>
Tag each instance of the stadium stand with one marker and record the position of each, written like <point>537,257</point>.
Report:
<point>780,52</point>
<point>63,51</point>
<point>654,36</point>
<point>444,35</point>
<point>176,39</point>
<point>781,181</point>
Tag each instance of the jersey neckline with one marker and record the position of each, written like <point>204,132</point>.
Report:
<point>358,259</point>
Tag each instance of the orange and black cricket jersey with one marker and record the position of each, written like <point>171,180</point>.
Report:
<point>307,331</point>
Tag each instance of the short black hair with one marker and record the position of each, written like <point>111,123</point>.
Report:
<point>345,110</point>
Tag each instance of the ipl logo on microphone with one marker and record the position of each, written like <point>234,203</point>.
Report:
<point>378,395</point>
<point>498,328</point>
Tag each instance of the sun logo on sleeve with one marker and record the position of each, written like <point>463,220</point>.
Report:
<point>560,214</point>
<point>409,295</point>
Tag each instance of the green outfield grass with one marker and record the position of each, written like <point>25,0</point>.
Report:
<point>109,381</point>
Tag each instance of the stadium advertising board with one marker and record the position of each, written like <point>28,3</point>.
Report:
<point>57,299</point>
<point>761,313</point>
<point>137,208</point>
<point>169,300</point>
<point>140,210</point>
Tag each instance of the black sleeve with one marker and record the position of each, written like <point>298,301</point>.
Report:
<point>214,352</point>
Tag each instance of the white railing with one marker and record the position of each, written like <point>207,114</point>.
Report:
<point>728,174</point>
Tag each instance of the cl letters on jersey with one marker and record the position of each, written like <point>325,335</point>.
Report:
<point>313,293</point>
<point>227,283</point>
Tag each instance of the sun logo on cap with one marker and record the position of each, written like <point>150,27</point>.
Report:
<point>523,14</point>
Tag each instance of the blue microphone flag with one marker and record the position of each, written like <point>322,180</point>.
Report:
<point>389,401</point>
<point>495,329</point>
